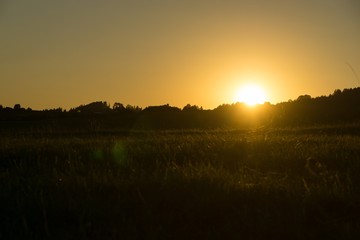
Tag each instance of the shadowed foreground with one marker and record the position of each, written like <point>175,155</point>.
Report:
<point>180,185</point>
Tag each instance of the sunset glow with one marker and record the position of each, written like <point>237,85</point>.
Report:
<point>68,53</point>
<point>251,95</point>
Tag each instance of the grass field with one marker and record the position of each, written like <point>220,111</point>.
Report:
<point>264,184</point>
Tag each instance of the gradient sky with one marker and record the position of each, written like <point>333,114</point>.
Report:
<point>145,52</point>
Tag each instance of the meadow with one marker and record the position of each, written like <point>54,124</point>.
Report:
<point>296,183</point>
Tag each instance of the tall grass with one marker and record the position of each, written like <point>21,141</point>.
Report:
<point>176,185</point>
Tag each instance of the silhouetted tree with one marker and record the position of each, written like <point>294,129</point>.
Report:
<point>339,107</point>
<point>337,92</point>
<point>189,107</point>
<point>131,108</point>
<point>161,109</point>
<point>54,110</point>
<point>118,107</point>
<point>304,98</point>
<point>94,107</point>
<point>17,106</point>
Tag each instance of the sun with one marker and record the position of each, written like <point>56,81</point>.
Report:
<point>251,95</point>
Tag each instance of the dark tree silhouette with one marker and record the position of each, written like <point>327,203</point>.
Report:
<point>189,107</point>
<point>342,106</point>
<point>304,98</point>
<point>134,109</point>
<point>17,106</point>
<point>94,107</point>
<point>161,109</point>
<point>118,107</point>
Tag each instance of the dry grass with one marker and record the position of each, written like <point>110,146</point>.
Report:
<point>176,185</point>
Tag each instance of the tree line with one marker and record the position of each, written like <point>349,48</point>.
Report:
<point>342,106</point>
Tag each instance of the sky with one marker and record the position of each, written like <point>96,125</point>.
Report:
<point>152,52</point>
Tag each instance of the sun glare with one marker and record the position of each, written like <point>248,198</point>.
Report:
<point>251,95</point>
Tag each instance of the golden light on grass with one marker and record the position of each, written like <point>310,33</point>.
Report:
<point>251,95</point>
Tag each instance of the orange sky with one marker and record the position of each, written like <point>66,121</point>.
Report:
<point>144,52</point>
